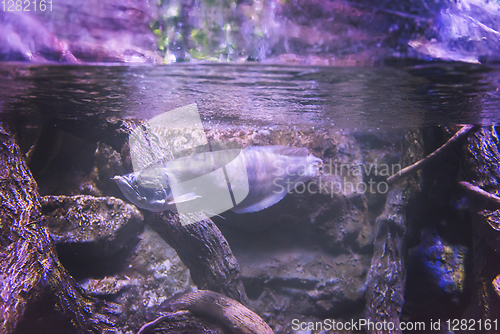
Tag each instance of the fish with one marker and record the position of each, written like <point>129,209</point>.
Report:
<point>256,177</point>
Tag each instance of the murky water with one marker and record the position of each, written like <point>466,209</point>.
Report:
<point>308,255</point>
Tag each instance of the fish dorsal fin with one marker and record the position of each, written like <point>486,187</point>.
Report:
<point>262,204</point>
<point>282,150</point>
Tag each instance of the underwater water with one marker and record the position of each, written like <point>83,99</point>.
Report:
<point>312,256</point>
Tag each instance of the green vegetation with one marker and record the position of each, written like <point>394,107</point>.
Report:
<point>213,30</point>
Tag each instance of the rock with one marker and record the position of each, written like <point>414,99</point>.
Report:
<point>65,161</point>
<point>62,163</point>
<point>152,274</point>
<point>103,225</point>
<point>287,284</point>
<point>496,284</point>
<point>439,266</point>
<point>107,163</point>
<point>108,285</point>
<point>73,32</point>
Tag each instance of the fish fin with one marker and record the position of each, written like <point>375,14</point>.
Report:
<point>260,205</point>
<point>282,150</point>
<point>314,165</point>
<point>213,214</point>
<point>184,198</point>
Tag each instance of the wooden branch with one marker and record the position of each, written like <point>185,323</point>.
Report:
<point>386,278</point>
<point>475,190</point>
<point>204,250</point>
<point>37,293</point>
<point>462,133</point>
<point>182,322</point>
<point>216,308</point>
<point>150,326</point>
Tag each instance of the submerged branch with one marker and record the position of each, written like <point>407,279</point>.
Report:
<point>150,326</point>
<point>204,250</point>
<point>210,306</point>
<point>477,191</point>
<point>462,133</point>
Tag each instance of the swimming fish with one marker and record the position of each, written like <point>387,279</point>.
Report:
<point>257,177</point>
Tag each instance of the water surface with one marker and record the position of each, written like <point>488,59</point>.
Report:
<point>345,98</point>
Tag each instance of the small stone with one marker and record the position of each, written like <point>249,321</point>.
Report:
<point>496,284</point>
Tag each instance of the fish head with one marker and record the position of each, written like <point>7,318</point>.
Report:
<point>145,191</point>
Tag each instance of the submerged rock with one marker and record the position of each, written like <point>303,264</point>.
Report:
<point>152,273</point>
<point>439,266</point>
<point>102,243</point>
<point>104,224</point>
